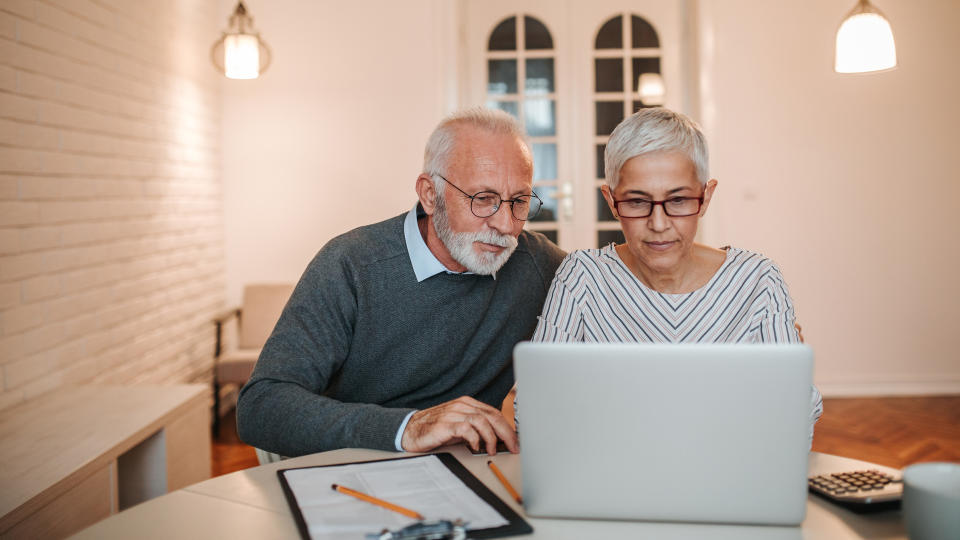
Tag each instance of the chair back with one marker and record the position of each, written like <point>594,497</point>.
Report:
<point>262,305</point>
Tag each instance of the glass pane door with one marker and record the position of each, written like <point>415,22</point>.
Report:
<point>570,71</point>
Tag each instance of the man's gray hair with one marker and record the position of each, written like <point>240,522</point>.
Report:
<point>443,139</point>
<point>653,130</point>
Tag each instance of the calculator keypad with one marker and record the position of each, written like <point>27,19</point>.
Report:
<point>857,485</point>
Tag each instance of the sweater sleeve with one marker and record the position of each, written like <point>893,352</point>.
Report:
<point>282,408</point>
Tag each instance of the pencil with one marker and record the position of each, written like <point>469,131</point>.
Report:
<point>505,482</point>
<point>379,502</point>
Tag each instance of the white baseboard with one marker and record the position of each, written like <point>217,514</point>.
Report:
<point>889,388</point>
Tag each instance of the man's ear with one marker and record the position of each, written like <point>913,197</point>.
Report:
<point>427,193</point>
<point>605,189</point>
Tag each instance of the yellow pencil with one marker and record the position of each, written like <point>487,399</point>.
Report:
<point>505,482</point>
<point>373,500</point>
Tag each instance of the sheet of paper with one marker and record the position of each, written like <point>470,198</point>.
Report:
<point>423,484</point>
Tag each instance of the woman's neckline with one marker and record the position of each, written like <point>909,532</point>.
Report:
<point>612,251</point>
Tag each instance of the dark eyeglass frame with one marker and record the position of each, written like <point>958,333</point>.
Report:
<point>496,208</point>
<point>654,204</point>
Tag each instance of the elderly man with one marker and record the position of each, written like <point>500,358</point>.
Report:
<point>399,334</point>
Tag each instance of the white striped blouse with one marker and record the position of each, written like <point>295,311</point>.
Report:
<point>595,297</point>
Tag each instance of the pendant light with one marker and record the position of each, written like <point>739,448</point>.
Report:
<point>865,41</point>
<point>651,89</point>
<point>240,53</point>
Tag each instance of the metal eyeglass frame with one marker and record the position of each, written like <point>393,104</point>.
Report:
<point>496,207</point>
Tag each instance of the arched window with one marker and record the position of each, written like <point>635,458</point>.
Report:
<point>622,53</point>
<point>521,81</point>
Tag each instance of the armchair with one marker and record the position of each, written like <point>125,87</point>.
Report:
<point>236,353</point>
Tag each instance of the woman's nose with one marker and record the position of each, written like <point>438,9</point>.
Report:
<point>658,219</point>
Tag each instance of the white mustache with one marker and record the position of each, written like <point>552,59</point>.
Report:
<point>493,238</point>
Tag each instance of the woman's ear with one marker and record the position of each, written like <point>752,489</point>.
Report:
<point>427,192</point>
<point>707,195</point>
<point>608,195</point>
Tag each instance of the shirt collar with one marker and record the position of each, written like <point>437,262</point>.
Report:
<point>425,264</point>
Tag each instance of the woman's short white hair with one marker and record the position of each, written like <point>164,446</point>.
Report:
<point>444,137</point>
<point>653,130</point>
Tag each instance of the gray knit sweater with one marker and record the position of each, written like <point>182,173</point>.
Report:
<point>361,343</point>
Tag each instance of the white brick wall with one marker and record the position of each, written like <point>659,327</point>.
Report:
<point>111,227</point>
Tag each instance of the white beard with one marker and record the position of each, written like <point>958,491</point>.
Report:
<point>460,244</point>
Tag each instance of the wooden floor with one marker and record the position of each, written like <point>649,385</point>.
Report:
<point>229,453</point>
<point>890,431</point>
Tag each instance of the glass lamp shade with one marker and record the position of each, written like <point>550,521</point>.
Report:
<point>651,89</point>
<point>240,53</point>
<point>865,42</point>
<point>241,56</point>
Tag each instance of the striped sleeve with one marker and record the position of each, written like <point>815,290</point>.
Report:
<point>779,325</point>
<point>561,319</point>
<point>816,409</point>
<point>779,322</point>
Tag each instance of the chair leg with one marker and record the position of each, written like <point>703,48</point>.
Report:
<point>216,408</point>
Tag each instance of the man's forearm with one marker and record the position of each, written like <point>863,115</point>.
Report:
<point>285,418</point>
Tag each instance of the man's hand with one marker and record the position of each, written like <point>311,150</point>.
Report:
<point>463,419</point>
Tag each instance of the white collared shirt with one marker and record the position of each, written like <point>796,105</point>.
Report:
<point>425,263</point>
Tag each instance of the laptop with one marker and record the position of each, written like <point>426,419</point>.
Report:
<point>713,433</point>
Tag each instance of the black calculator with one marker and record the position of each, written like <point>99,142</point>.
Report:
<point>860,491</point>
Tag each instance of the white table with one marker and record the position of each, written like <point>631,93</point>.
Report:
<point>251,504</point>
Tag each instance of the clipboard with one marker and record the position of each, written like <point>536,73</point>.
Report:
<point>516,525</point>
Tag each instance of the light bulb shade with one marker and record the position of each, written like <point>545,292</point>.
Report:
<point>865,42</point>
<point>240,53</point>
<point>651,89</point>
<point>241,56</point>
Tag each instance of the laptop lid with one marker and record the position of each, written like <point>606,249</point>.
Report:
<point>673,432</point>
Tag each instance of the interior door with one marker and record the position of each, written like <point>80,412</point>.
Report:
<point>569,72</point>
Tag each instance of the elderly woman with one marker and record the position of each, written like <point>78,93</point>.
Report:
<point>660,286</point>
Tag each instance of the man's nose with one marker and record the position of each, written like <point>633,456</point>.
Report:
<point>502,220</point>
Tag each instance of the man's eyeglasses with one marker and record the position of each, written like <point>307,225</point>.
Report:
<point>673,207</point>
<point>487,203</point>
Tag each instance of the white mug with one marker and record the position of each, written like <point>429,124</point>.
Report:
<point>931,501</point>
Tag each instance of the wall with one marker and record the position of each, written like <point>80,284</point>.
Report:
<point>847,181</point>
<point>844,180</point>
<point>111,258</point>
<point>331,137</point>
